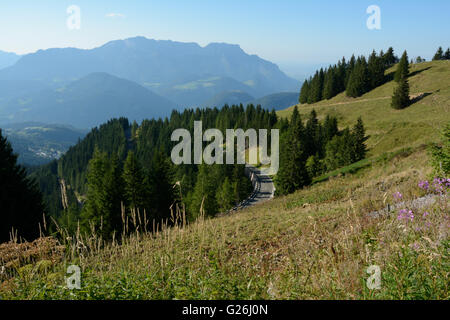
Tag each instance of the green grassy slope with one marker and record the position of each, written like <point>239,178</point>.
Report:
<point>314,244</point>
<point>391,129</point>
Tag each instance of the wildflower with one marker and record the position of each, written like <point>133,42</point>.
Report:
<point>405,215</point>
<point>425,185</point>
<point>425,214</point>
<point>398,196</point>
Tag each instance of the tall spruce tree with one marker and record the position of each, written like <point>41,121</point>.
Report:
<point>400,99</point>
<point>359,79</point>
<point>447,54</point>
<point>359,140</point>
<point>330,84</point>
<point>21,202</point>
<point>135,186</point>
<point>402,68</point>
<point>304,92</point>
<point>102,209</point>
<point>224,195</point>
<point>389,58</point>
<point>293,174</point>
<point>376,70</point>
<point>439,55</point>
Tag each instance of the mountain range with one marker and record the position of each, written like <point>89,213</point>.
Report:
<point>8,59</point>
<point>44,84</point>
<point>87,102</point>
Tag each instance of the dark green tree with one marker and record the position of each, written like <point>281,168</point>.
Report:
<point>224,196</point>
<point>359,79</point>
<point>439,55</point>
<point>22,207</point>
<point>304,92</point>
<point>400,99</point>
<point>293,174</point>
<point>135,186</point>
<point>359,140</point>
<point>102,210</point>
<point>402,68</point>
<point>330,88</point>
<point>447,54</point>
<point>389,58</point>
<point>376,70</point>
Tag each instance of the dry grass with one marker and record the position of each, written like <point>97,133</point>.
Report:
<point>283,249</point>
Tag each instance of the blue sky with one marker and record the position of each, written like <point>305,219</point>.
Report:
<point>296,34</point>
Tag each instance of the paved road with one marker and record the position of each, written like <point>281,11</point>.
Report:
<point>263,189</point>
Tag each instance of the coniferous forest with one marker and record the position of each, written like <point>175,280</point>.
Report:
<point>356,77</point>
<point>123,170</point>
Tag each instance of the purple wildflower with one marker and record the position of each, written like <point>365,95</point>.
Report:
<point>425,185</point>
<point>398,196</point>
<point>405,215</point>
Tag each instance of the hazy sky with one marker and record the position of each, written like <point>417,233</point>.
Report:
<point>296,34</point>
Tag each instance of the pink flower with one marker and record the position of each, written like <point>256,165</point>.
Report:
<point>398,196</point>
<point>425,185</point>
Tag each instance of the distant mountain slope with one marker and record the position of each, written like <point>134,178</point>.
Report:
<point>228,97</point>
<point>159,65</point>
<point>88,102</point>
<point>8,59</point>
<point>277,101</point>
<point>38,143</point>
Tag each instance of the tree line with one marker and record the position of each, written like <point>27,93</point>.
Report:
<point>311,148</point>
<point>355,77</point>
<point>440,55</point>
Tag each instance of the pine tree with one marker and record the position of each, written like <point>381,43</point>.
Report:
<point>293,174</point>
<point>162,181</point>
<point>330,84</point>
<point>349,71</point>
<point>439,54</point>
<point>224,196</point>
<point>314,166</point>
<point>359,139</point>
<point>304,92</point>
<point>102,209</point>
<point>136,191</point>
<point>402,68</point>
<point>203,198</point>
<point>389,58</point>
<point>400,99</point>
<point>376,70</point>
<point>22,207</point>
<point>316,87</point>
<point>447,54</point>
<point>359,79</point>
<point>340,75</point>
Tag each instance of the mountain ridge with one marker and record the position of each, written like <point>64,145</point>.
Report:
<point>155,64</point>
